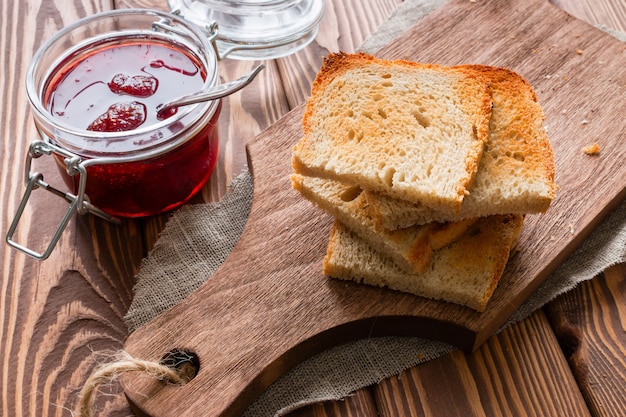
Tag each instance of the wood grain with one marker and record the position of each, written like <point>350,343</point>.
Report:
<point>287,320</point>
<point>518,372</point>
<point>590,325</point>
<point>491,382</point>
<point>61,317</point>
<point>58,318</point>
<point>359,404</point>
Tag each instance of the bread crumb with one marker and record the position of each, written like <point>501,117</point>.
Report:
<point>571,229</point>
<point>579,51</point>
<point>584,122</point>
<point>592,149</point>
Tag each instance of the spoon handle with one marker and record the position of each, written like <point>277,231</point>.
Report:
<point>216,92</point>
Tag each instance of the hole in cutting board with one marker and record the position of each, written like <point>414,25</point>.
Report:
<point>187,363</point>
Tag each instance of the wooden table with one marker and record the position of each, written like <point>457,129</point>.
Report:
<point>59,316</point>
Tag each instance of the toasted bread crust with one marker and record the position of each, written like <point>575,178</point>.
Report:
<point>382,124</point>
<point>515,174</point>
<point>382,137</point>
<point>411,248</point>
<point>466,272</point>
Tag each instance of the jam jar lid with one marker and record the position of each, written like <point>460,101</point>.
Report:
<point>255,29</point>
<point>83,37</point>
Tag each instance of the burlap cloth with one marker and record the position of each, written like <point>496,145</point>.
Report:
<point>198,238</point>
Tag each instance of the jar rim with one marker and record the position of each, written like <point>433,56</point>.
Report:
<point>198,111</point>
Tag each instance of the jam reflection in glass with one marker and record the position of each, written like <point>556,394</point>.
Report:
<point>118,87</point>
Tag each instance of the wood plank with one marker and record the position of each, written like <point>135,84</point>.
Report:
<point>522,370</point>
<point>519,372</point>
<point>56,318</point>
<point>359,404</point>
<point>596,361</point>
<point>62,336</point>
<point>590,325</point>
<point>287,320</point>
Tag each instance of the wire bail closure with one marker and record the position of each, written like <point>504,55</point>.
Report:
<point>78,202</point>
<point>124,165</point>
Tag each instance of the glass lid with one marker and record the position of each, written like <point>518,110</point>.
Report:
<point>255,29</point>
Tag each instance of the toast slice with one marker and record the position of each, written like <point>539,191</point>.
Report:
<point>413,131</point>
<point>516,171</point>
<point>411,249</point>
<point>465,272</point>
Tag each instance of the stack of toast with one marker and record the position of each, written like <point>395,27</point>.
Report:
<point>428,171</point>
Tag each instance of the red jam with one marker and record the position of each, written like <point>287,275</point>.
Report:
<point>118,87</point>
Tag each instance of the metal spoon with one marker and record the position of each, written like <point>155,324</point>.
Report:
<point>213,93</point>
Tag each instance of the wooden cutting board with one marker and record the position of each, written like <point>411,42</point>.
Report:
<point>269,307</point>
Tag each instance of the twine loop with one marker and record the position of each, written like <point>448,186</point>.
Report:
<point>172,369</point>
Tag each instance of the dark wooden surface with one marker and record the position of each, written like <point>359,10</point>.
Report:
<point>59,317</point>
<point>287,307</point>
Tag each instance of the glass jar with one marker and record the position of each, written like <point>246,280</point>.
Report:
<point>113,170</point>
